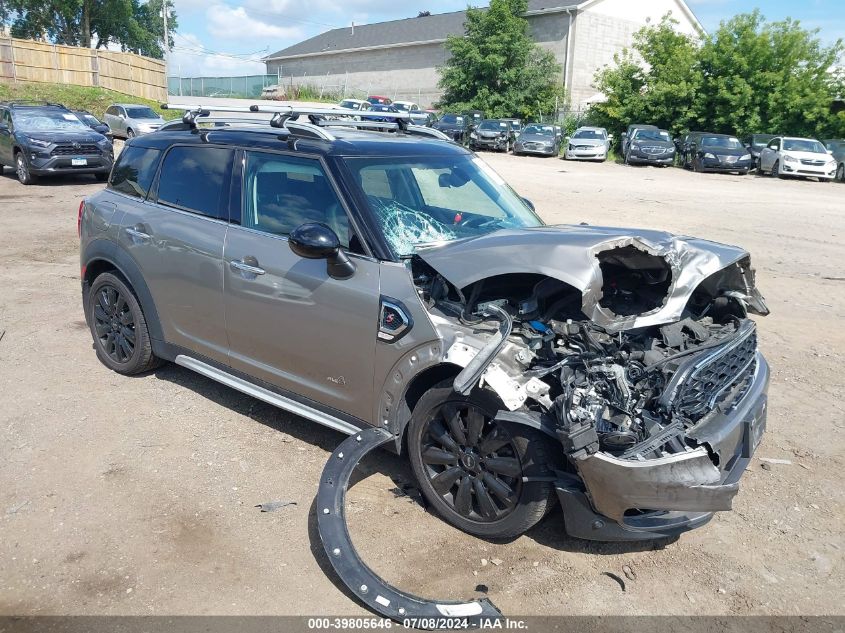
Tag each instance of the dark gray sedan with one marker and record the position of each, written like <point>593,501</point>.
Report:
<point>538,139</point>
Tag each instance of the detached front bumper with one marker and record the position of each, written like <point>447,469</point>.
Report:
<point>628,500</point>
<point>498,143</point>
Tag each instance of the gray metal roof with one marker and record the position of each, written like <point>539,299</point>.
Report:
<point>423,29</point>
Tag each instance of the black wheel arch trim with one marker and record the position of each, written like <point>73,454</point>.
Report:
<point>363,582</point>
<point>108,251</point>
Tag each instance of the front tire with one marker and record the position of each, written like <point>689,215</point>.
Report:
<point>776,170</point>
<point>130,133</point>
<point>22,170</point>
<point>470,467</point>
<point>840,173</point>
<point>119,328</point>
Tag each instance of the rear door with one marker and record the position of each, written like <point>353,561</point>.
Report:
<point>176,237</point>
<point>6,143</point>
<point>288,322</point>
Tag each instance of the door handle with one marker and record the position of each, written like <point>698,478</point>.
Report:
<point>137,231</point>
<point>247,265</point>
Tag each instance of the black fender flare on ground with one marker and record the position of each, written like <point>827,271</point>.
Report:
<point>367,586</point>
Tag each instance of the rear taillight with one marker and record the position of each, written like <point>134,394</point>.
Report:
<point>79,219</point>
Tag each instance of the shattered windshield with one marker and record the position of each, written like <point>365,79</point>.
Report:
<point>433,199</point>
<point>48,120</point>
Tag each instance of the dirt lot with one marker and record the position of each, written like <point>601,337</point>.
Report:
<point>137,495</point>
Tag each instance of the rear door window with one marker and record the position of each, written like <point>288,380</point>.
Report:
<point>197,179</point>
<point>134,172</point>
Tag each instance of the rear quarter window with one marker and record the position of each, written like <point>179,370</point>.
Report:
<point>197,179</point>
<point>134,171</point>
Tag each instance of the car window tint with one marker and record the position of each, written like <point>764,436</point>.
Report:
<point>197,179</point>
<point>133,174</point>
<point>283,192</point>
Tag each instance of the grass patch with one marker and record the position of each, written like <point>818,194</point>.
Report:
<point>95,100</point>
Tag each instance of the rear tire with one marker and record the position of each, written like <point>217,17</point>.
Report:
<point>471,470</point>
<point>118,327</point>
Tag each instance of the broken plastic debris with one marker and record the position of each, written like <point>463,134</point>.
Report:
<point>272,506</point>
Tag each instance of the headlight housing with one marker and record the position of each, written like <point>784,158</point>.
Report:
<point>709,155</point>
<point>473,135</point>
<point>37,142</point>
<point>745,157</point>
<point>789,159</point>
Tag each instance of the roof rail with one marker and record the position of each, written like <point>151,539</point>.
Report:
<point>282,116</point>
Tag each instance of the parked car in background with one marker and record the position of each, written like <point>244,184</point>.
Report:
<point>649,146</point>
<point>127,120</point>
<point>537,138</point>
<point>516,124</point>
<point>800,157</point>
<point>588,143</point>
<point>418,116</point>
<point>354,104</point>
<point>628,134</point>
<point>756,143</point>
<point>93,122</point>
<point>494,134</point>
<point>45,139</point>
<point>455,126</point>
<point>381,113</point>
<point>836,146</point>
<point>718,152</point>
<point>376,99</point>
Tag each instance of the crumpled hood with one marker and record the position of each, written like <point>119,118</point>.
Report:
<point>568,253</point>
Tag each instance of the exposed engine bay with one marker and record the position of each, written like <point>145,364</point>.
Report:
<point>631,393</point>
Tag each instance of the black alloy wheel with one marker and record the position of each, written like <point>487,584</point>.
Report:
<point>22,170</point>
<point>471,463</point>
<point>840,173</point>
<point>471,468</point>
<point>119,327</point>
<point>114,324</point>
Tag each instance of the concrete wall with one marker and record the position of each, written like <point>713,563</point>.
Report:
<point>400,72</point>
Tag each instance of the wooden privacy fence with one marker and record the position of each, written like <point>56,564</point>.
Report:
<point>131,74</point>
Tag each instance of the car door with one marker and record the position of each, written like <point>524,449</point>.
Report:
<point>289,323</point>
<point>176,238</point>
<point>769,154</point>
<point>6,140</point>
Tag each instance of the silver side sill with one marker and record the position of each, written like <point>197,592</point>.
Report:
<point>266,395</point>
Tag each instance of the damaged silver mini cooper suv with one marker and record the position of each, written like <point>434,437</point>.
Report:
<point>376,279</point>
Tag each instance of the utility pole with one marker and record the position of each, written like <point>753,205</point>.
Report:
<point>166,35</point>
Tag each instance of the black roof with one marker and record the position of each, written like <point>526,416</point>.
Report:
<point>427,28</point>
<point>347,142</point>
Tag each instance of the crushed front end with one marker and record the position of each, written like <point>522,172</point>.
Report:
<point>640,359</point>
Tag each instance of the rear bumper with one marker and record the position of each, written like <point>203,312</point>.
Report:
<point>626,500</point>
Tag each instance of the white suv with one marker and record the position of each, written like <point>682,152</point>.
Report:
<point>803,157</point>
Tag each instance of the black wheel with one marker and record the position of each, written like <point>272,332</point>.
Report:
<point>130,133</point>
<point>776,170</point>
<point>101,177</point>
<point>22,170</point>
<point>696,165</point>
<point>119,328</point>
<point>840,173</point>
<point>471,468</point>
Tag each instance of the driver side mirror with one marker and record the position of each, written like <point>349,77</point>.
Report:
<point>4,127</point>
<point>314,240</point>
<point>529,204</point>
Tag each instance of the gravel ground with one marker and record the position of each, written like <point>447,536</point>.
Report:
<point>137,495</point>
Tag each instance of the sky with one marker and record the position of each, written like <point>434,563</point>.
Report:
<point>229,37</point>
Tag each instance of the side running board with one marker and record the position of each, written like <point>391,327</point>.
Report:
<point>361,580</point>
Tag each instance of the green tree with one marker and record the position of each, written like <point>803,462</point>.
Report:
<point>657,82</point>
<point>768,77</point>
<point>749,76</point>
<point>129,24</point>
<point>496,67</point>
